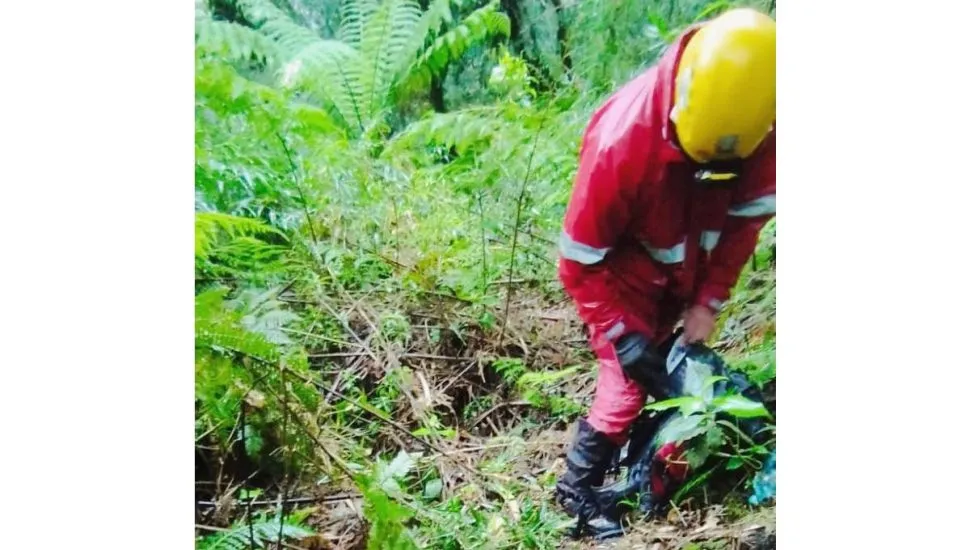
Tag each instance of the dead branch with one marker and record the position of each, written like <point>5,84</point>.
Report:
<point>485,414</point>
<point>292,500</point>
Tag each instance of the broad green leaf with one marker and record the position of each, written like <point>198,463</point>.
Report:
<point>401,465</point>
<point>688,404</point>
<point>713,380</point>
<point>683,428</point>
<point>714,437</point>
<point>740,406</point>
<point>432,489</point>
<point>734,463</point>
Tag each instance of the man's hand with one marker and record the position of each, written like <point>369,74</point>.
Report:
<point>698,324</point>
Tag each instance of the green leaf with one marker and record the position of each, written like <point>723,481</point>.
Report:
<point>697,456</point>
<point>683,428</point>
<point>400,466</point>
<point>688,404</point>
<point>734,463</point>
<point>712,380</point>
<point>432,489</point>
<point>714,437</point>
<point>740,406</point>
<point>252,441</point>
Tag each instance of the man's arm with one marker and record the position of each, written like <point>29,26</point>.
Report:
<point>752,207</point>
<point>599,210</point>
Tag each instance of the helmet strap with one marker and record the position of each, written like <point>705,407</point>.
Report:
<point>718,173</point>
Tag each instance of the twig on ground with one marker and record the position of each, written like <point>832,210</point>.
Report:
<point>472,449</point>
<point>347,327</point>
<point>453,379</point>
<point>380,416</point>
<point>428,356</point>
<point>292,500</point>
<point>319,336</point>
<point>485,414</point>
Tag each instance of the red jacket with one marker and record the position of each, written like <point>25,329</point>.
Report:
<point>639,230</point>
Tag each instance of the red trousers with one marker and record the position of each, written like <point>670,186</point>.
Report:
<point>618,400</point>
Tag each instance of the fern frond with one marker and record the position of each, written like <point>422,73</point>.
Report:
<point>264,531</point>
<point>383,48</point>
<point>463,130</point>
<point>210,227</point>
<point>234,42</point>
<point>353,17</point>
<point>275,23</point>
<point>480,25</point>
<point>325,69</point>
<point>431,22</point>
<point>218,328</point>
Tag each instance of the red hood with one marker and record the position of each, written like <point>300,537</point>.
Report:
<point>664,93</point>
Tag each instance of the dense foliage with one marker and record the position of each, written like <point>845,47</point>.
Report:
<point>379,184</point>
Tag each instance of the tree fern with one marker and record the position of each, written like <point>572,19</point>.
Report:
<point>384,50</point>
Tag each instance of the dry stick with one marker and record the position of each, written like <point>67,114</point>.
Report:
<point>515,231</point>
<point>299,189</point>
<point>207,432</point>
<point>337,460</point>
<point>294,500</point>
<point>320,336</point>
<point>401,356</point>
<point>472,449</point>
<point>249,508</point>
<point>366,408</point>
<point>481,212</point>
<point>377,414</point>
<point>340,464</point>
<point>485,414</point>
<point>457,377</point>
<point>286,457</point>
<point>346,325</point>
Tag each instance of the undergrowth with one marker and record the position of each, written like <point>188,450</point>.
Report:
<point>377,314</point>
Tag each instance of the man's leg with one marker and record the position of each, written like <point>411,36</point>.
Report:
<point>616,405</point>
<point>617,401</point>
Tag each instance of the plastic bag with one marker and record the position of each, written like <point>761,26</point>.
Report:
<point>764,483</point>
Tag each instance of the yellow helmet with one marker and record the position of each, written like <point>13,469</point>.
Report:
<point>724,93</point>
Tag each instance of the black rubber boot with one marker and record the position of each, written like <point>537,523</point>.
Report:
<point>586,465</point>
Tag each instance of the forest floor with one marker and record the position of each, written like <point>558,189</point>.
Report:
<point>723,523</point>
<point>512,425</point>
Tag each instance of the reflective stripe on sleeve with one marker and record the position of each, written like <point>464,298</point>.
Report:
<point>615,331</point>
<point>762,206</point>
<point>672,255</point>
<point>579,252</point>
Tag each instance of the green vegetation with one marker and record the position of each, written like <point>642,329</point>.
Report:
<point>384,358</point>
